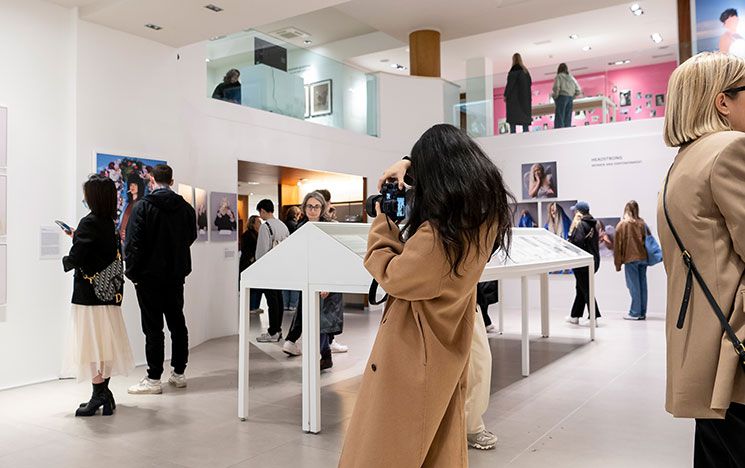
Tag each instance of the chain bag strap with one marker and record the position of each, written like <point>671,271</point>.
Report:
<point>692,272</point>
<point>108,284</point>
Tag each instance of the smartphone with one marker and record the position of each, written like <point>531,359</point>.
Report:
<point>63,226</point>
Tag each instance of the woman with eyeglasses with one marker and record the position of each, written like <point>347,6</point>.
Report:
<point>701,219</point>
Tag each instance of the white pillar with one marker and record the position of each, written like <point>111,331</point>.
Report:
<point>480,96</point>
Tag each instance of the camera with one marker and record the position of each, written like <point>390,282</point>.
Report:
<point>392,202</point>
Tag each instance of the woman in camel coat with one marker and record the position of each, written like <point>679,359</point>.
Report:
<point>410,407</point>
<point>705,199</point>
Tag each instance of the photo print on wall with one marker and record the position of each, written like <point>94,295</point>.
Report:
<point>607,235</point>
<point>224,226</point>
<point>659,100</point>
<point>624,97</point>
<point>200,206</point>
<point>132,177</point>
<point>716,27</point>
<point>539,180</point>
<point>525,215</point>
<point>320,102</point>
<point>557,219</point>
<point>187,193</point>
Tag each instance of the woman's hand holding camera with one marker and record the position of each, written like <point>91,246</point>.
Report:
<point>396,171</point>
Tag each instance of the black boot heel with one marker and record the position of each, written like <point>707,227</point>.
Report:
<point>108,408</point>
<point>98,399</point>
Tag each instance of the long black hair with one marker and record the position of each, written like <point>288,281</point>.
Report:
<point>459,190</point>
<point>100,194</point>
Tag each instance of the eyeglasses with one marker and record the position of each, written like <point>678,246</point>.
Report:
<point>733,91</point>
<point>313,207</point>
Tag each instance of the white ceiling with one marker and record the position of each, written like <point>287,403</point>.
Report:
<point>324,26</point>
<point>613,33</point>
<point>185,22</point>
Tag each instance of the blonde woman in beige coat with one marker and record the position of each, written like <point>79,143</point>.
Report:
<point>410,406</point>
<point>705,199</point>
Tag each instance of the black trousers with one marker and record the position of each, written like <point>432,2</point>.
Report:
<point>276,305</point>
<point>158,301</point>
<point>296,328</point>
<point>582,297</point>
<point>720,442</point>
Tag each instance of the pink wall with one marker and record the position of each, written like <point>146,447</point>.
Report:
<point>650,80</point>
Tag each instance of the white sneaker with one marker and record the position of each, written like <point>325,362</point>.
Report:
<point>572,320</point>
<point>491,329</point>
<point>291,348</point>
<point>483,440</point>
<point>147,386</point>
<point>177,380</point>
<point>257,311</point>
<point>267,338</point>
<point>337,347</point>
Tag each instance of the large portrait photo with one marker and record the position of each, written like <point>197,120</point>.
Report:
<point>200,206</point>
<point>539,180</point>
<point>132,177</point>
<point>717,26</point>
<point>223,209</point>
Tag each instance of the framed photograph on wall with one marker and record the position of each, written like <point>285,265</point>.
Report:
<point>539,180</point>
<point>224,209</point>
<point>320,98</point>
<point>659,100</point>
<point>624,97</point>
<point>307,101</point>
<point>200,206</point>
<point>187,193</point>
<point>525,215</point>
<point>607,235</point>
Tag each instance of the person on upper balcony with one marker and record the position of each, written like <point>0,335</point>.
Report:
<point>230,88</point>
<point>518,95</point>
<point>564,91</point>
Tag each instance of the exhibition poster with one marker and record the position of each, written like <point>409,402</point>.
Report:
<point>132,177</point>
<point>224,225</point>
<point>717,26</point>
<point>200,206</point>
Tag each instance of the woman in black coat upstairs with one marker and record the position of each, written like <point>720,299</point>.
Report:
<point>518,96</point>
<point>98,346</point>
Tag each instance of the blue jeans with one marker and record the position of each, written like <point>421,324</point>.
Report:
<point>636,281</point>
<point>291,299</point>
<point>255,298</point>
<point>325,344</point>
<point>563,116</point>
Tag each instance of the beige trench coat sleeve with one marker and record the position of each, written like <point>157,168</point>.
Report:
<point>413,271</point>
<point>728,191</point>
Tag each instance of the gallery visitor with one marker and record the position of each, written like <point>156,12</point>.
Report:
<point>98,345</point>
<point>161,231</point>
<point>564,91</point>
<point>629,251</point>
<point>230,88</point>
<point>292,218</point>
<point>584,234</point>
<point>410,405</point>
<point>701,213</point>
<point>248,257</point>
<point>271,234</point>
<point>518,96</point>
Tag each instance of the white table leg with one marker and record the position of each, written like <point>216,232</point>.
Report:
<point>243,353</point>
<point>311,362</point>
<point>500,292</point>
<point>544,306</point>
<point>593,320</point>
<point>526,321</point>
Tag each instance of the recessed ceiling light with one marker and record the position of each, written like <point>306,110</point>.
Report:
<point>252,183</point>
<point>214,8</point>
<point>217,38</point>
<point>207,60</point>
<point>307,42</point>
<point>636,9</point>
<point>619,62</point>
<point>573,36</point>
<point>398,66</point>
<point>656,38</point>
<point>154,27</point>
<point>587,48</point>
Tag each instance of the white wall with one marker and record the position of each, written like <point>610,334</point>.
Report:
<point>36,84</point>
<point>637,175</point>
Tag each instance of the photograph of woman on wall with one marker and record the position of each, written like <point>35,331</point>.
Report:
<point>539,180</point>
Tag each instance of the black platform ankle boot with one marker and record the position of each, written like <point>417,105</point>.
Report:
<point>98,399</point>
<point>326,362</point>
<point>108,392</point>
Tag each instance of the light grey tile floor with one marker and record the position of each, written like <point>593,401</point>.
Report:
<point>585,405</point>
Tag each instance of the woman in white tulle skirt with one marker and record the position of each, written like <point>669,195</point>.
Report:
<point>98,346</point>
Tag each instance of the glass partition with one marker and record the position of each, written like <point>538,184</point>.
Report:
<point>621,87</point>
<point>279,77</point>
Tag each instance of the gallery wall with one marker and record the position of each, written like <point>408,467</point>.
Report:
<point>605,165</point>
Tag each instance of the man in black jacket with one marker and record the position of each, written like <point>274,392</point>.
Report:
<point>584,234</point>
<point>161,230</point>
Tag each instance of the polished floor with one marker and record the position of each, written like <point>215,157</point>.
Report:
<point>585,405</point>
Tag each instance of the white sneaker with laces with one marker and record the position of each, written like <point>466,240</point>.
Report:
<point>147,386</point>
<point>572,320</point>
<point>491,329</point>
<point>337,347</point>
<point>483,440</point>
<point>267,338</point>
<point>291,348</point>
<point>177,380</point>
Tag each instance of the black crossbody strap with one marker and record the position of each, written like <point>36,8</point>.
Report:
<point>373,293</point>
<point>693,272</point>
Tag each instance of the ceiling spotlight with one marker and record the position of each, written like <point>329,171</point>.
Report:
<point>217,38</point>
<point>587,48</point>
<point>398,66</point>
<point>573,36</point>
<point>636,9</point>
<point>154,27</point>
<point>619,62</point>
<point>656,38</point>
<point>307,42</point>
<point>214,8</point>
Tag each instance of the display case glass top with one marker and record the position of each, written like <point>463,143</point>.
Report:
<point>536,245</point>
<point>353,236</point>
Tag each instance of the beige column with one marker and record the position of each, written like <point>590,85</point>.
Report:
<point>424,53</point>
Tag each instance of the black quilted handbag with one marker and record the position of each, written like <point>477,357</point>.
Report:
<point>108,284</point>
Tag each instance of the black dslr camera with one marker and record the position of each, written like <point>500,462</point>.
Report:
<point>392,202</point>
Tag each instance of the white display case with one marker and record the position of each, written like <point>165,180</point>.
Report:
<point>332,254</point>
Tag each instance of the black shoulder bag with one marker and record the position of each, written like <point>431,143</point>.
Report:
<point>694,273</point>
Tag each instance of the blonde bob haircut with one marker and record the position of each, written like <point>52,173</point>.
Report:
<point>691,94</point>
